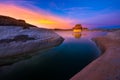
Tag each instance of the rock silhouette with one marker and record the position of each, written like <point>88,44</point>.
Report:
<point>77,28</point>
<point>8,21</point>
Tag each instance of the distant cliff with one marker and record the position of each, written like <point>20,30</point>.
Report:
<point>8,21</point>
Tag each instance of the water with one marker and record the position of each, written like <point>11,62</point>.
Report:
<point>58,63</point>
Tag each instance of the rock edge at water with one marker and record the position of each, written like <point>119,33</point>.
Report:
<point>16,42</point>
<point>107,66</point>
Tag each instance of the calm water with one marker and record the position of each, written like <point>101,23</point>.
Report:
<point>59,63</point>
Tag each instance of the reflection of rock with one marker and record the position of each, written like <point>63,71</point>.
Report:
<point>77,28</point>
<point>77,35</point>
<point>107,66</point>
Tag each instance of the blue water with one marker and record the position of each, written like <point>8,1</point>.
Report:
<point>58,63</point>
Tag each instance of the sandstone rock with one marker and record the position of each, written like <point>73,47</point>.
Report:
<point>77,28</point>
<point>114,35</point>
<point>16,43</point>
<point>107,66</point>
<point>8,21</point>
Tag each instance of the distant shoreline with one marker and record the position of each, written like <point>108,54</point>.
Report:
<point>108,30</point>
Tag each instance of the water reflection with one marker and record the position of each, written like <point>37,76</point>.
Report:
<point>67,35</point>
<point>59,63</point>
<point>77,35</point>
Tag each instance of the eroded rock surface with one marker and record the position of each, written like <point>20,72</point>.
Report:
<point>18,39</point>
<point>107,66</point>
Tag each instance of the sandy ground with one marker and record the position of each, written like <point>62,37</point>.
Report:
<point>107,66</point>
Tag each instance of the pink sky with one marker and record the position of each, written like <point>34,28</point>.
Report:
<point>43,18</point>
<point>39,18</point>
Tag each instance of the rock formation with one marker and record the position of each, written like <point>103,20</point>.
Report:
<point>8,21</point>
<point>19,39</point>
<point>107,66</point>
<point>77,28</point>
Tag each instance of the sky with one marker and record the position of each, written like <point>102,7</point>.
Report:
<point>64,14</point>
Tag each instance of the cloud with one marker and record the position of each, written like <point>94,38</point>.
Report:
<point>37,16</point>
<point>79,12</point>
<point>66,16</point>
<point>76,8</point>
<point>111,18</point>
<point>105,19</point>
<point>93,18</point>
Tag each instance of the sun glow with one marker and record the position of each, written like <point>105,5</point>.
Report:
<point>44,21</point>
<point>39,18</point>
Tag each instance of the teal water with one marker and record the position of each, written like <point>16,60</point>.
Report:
<point>58,63</point>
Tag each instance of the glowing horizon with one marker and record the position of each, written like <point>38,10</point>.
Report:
<point>36,18</point>
<point>63,14</point>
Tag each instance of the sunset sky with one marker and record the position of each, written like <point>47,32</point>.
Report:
<point>64,13</point>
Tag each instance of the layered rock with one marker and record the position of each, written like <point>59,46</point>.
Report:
<point>9,21</point>
<point>16,42</point>
<point>107,66</point>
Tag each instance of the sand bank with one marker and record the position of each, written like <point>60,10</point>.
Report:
<point>107,66</point>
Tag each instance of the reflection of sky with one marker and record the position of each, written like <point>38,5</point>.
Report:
<point>54,13</point>
<point>58,63</point>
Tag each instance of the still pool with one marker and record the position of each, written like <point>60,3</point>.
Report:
<point>58,63</point>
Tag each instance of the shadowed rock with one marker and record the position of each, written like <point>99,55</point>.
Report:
<point>22,38</point>
<point>17,43</point>
<point>8,21</point>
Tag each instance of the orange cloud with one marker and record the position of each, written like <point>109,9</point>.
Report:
<point>39,18</point>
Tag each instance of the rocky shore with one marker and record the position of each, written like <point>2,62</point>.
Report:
<point>107,66</point>
<point>18,39</point>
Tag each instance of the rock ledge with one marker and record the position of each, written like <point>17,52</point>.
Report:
<point>107,66</point>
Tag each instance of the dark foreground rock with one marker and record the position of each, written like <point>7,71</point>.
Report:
<point>107,66</point>
<point>9,21</point>
<point>17,42</point>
